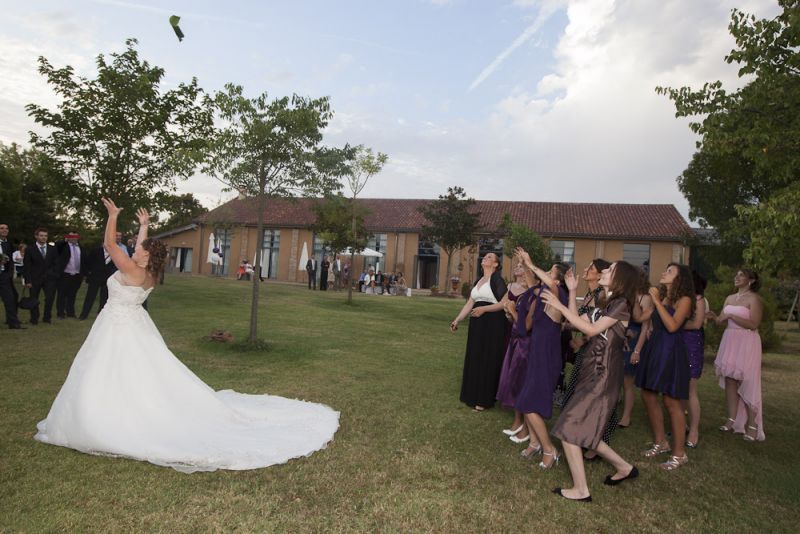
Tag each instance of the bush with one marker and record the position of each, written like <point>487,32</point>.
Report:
<point>716,292</point>
<point>466,289</point>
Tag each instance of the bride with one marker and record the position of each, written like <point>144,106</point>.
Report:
<point>127,395</point>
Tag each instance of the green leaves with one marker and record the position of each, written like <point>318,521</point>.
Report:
<point>119,134</point>
<point>749,147</point>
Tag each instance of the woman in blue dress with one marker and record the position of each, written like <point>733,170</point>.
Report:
<point>664,365</point>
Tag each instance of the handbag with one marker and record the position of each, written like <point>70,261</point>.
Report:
<point>27,303</point>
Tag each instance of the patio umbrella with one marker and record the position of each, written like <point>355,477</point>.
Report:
<point>210,257</point>
<point>303,257</point>
<point>365,252</point>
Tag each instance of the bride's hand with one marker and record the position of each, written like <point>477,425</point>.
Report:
<point>144,217</point>
<point>112,208</point>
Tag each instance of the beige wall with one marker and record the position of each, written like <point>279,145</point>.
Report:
<point>401,252</point>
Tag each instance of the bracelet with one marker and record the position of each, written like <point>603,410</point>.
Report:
<point>636,352</point>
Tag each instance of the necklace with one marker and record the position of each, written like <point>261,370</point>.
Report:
<point>739,294</point>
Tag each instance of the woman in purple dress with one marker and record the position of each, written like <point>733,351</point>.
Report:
<point>535,399</point>
<point>583,421</point>
<point>664,365</point>
<point>516,304</point>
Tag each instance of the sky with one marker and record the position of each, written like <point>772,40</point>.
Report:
<point>537,100</point>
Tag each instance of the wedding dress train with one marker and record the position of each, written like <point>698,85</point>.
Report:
<point>127,395</point>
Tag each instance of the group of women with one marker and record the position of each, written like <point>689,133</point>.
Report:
<point>623,335</point>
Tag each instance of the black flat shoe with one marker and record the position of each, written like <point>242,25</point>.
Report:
<point>630,476</point>
<point>622,426</point>
<point>557,491</point>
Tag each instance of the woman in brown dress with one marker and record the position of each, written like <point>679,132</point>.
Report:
<point>583,420</point>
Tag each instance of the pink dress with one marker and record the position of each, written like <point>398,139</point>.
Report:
<point>739,357</point>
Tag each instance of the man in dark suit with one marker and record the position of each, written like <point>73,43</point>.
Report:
<point>40,271</point>
<point>8,293</point>
<point>323,280</point>
<point>71,268</point>
<point>99,268</point>
<point>311,269</point>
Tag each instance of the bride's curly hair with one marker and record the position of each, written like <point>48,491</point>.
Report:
<point>158,256</point>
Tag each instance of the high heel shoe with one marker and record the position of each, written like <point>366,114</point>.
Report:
<point>531,451</point>
<point>555,456</point>
<point>655,450</point>
<point>728,426</point>
<point>557,491</point>
<point>674,463</point>
<point>513,432</point>
<point>515,439</point>
<point>747,436</point>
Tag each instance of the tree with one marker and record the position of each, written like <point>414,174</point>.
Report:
<point>749,147</point>
<point>180,210</point>
<point>334,223</point>
<point>27,199</point>
<point>363,164</point>
<point>271,149</point>
<point>119,135</point>
<point>518,235</point>
<point>453,223</point>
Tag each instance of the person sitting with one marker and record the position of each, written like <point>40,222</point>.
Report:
<point>244,271</point>
<point>402,288</point>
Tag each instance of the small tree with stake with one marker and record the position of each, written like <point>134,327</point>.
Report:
<point>270,149</point>
<point>453,223</point>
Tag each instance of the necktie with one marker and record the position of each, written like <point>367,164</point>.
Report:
<point>43,250</point>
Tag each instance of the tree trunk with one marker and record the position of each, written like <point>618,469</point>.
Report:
<point>447,274</point>
<point>262,207</point>
<point>352,253</point>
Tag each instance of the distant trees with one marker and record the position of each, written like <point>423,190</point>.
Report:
<point>452,223</point>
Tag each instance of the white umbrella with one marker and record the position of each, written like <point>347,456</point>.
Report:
<point>211,256</point>
<point>303,257</point>
<point>365,252</point>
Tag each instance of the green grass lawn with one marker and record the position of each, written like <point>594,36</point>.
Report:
<point>408,455</point>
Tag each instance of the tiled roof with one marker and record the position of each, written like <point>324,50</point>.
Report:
<point>549,219</point>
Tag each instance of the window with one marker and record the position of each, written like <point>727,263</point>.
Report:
<point>375,242</point>
<point>637,254</point>
<point>222,241</point>
<point>269,253</point>
<point>563,251</point>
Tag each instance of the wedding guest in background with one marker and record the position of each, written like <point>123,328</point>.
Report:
<point>99,268</point>
<point>535,399</point>
<point>8,292</point>
<point>596,393</point>
<point>325,267</point>
<point>379,281</point>
<point>40,270</point>
<point>71,268</point>
<point>486,338</point>
<point>516,304</point>
<point>664,365</point>
<point>362,278</point>
<point>131,248</point>
<point>346,272</point>
<point>336,267</point>
<point>738,363</point>
<point>638,331</point>
<point>18,258</point>
<point>694,337</point>
<point>311,270</point>
<point>402,286</point>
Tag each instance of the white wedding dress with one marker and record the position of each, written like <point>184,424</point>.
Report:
<point>127,395</point>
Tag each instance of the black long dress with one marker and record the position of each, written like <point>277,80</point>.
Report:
<point>483,359</point>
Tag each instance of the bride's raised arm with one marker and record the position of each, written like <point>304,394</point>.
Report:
<point>126,265</point>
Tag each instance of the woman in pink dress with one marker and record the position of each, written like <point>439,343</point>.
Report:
<point>738,363</point>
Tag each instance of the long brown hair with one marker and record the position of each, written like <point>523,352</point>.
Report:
<point>624,282</point>
<point>158,256</point>
<point>682,286</point>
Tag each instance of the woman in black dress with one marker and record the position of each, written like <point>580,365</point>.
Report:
<point>486,338</point>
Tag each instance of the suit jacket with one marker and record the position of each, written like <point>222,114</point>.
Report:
<point>64,254</point>
<point>35,268</point>
<point>326,265</point>
<point>97,270</point>
<point>8,250</point>
<point>311,266</point>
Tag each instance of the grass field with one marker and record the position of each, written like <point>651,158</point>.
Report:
<point>408,456</point>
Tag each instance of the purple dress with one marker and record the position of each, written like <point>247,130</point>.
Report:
<point>512,375</point>
<point>695,344</point>
<point>544,362</point>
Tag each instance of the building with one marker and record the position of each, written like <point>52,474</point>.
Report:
<point>643,234</point>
